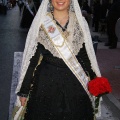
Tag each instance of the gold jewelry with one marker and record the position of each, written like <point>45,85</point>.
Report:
<point>66,34</point>
<point>51,6</point>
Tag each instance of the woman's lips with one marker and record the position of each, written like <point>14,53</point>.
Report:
<point>60,3</point>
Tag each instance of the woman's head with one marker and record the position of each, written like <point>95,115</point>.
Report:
<point>60,5</point>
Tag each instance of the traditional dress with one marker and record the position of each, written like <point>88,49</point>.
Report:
<point>57,93</point>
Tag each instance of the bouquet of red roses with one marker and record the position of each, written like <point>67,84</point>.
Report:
<point>98,87</point>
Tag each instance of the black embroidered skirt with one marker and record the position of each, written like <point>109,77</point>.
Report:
<point>57,95</point>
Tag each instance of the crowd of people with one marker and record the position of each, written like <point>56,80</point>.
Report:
<point>104,18</point>
<point>6,5</point>
<point>103,15</point>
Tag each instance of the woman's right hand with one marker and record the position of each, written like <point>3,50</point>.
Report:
<point>23,100</point>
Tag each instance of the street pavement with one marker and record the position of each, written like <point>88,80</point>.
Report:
<point>12,39</point>
<point>109,63</point>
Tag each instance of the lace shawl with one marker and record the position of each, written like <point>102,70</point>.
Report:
<point>75,38</point>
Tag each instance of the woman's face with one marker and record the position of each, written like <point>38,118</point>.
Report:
<point>61,5</point>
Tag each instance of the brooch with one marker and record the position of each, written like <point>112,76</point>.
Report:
<point>51,29</point>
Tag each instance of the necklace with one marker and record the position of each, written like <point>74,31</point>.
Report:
<point>64,28</point>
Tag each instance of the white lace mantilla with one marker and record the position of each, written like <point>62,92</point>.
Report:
<point>79,33</point>
<point>75,38</point>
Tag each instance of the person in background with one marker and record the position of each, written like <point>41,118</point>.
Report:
<point>13,2</point>
<point>20,5</point>
<point>4,7</point>
<point>104,8</point>
<point>96,14</point>
<point>29,11</point>
<point>117,29</point>
<point>86,10</point>
<point>112,17</point>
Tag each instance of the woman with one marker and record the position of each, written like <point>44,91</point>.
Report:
<point>28,13</point>
<point>59,84</point>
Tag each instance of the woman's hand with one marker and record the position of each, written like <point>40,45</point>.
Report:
<point>23,100</point>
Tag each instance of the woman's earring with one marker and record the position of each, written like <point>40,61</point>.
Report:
<point>51,7</point>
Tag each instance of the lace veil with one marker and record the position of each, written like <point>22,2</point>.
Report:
<point>31,41</point>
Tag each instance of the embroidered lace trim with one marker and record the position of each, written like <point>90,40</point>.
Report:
<point>75,38</point>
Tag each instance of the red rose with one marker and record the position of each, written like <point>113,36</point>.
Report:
<point>99,86</point>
